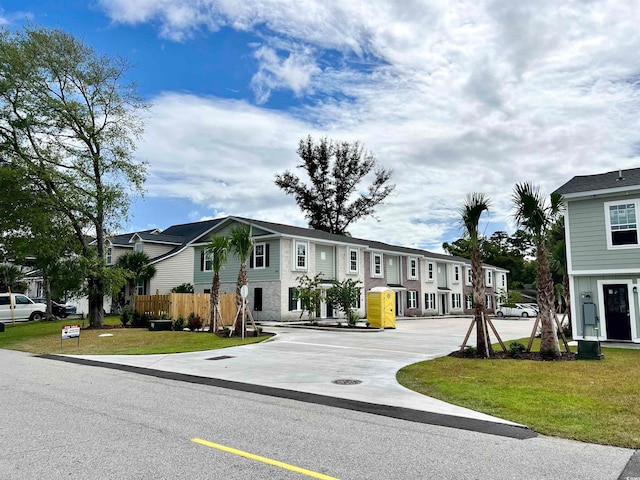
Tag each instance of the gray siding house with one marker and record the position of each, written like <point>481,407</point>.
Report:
<point>603,254</point>
<point>424,283</point>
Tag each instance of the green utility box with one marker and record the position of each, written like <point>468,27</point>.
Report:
<point>589,350</point>
<point>158,325</point>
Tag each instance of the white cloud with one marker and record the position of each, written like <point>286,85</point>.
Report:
<point>293,72</point>
<point>456,97</point>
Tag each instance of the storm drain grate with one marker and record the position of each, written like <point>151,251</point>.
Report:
<point>347,381</point>
<point>221,357</point>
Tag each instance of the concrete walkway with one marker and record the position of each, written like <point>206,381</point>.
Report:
<point>311,361</point>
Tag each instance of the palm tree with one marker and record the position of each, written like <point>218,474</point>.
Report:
<point>11,278</point>
<point>241,246</point>
<point>140,269</point>
<point>218,249</point>
<point>536,215</point>
<point>474,206</point>
<point>558,263</point>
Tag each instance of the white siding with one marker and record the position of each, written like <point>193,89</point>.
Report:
<point>172,272</point>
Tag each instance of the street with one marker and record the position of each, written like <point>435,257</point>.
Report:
<point>62,420</point>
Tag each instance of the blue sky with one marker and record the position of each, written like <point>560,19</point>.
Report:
<point>455,97</point>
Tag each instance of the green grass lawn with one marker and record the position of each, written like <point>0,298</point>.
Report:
<point>591,401</point>
<point>44,338</point>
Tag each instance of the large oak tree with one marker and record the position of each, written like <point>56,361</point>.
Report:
<point>69,119</point>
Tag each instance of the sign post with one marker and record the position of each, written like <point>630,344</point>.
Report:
<point>70,331</point>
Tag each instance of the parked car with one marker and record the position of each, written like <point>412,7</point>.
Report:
<point>517,310</point>
<point>23,307</point>
<point>58,309</point>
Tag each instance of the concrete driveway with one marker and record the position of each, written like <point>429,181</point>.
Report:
<point>364,363</point>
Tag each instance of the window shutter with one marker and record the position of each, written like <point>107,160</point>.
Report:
<point>408,299</point>
<point>257,299</point>
<point>417,300</point>
<point>251,258</point>
<point>292,299</point>
<point>202,261</point>
<point>266,255</point>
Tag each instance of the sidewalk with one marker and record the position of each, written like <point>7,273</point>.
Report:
<point>359,366</point>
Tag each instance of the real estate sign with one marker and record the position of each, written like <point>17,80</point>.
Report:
<point>70,331</point>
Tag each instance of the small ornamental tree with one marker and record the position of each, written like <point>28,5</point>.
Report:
<point>309,294</point>
<point>344,296</point>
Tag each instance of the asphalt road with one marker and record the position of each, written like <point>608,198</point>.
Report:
<point>62,420</point>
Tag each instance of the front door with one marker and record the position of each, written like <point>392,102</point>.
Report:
<point>399,304</point>
<point>443,304</point>
<point>616,311</point>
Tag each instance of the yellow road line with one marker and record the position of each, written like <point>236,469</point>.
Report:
<point>269,461</point>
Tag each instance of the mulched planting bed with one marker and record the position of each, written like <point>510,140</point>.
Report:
<point>500,355</point>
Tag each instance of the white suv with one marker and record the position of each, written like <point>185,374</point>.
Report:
<point>23,308</point>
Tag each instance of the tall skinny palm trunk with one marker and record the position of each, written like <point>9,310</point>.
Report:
<point>214,303</point>
<point>243,279</point>
<point>482,335</point>
<point>546,294</point>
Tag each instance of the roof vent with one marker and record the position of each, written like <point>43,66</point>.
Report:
<point>620,177</point>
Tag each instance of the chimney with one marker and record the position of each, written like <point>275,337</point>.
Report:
<point>620,177</point>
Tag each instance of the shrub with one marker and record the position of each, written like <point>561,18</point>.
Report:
<point>125,316</point>
<point>178,324</point>
<point>516,348</point>
<point>139,320</point>
<point>194,322</point>
<point>183,288</point>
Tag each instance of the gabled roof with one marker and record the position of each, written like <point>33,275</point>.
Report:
<point>610,182</point>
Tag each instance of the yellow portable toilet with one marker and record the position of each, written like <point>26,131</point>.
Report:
<point>381,308</point>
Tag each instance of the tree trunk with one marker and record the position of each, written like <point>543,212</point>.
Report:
<point>549,338</point>
<point>214,302</point>
<point>566,295</point>
<point>46,283</point>
<point>483,345</point>
<point>243,279</point>
<point>96,301</point>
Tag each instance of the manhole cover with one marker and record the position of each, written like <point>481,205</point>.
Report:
<point>221,357</point>
<point>346,381</point>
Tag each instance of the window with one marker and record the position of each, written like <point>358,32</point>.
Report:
<point>622,227</point>
<point>469,276</point>
<point>300,260</point>
<point>430,272</point>
<point>489,301</point>
<point>22,300</point>
<point>377,265</point>
<point>412,299</point>
<point>257,299</point>
<point>109,255</point>
<point>206,264</point>
<point>503,280</point>
<point>140,287</point>
<point>294,301</point>
<point>430,301</point>
<point>455,300</point>
<point>413,268</point>
<point>353,260</point>
<point>489,278</point>
<point>456,273</point>
<point>469,301</point>
<point>259,255</point>
<point>137,247</point>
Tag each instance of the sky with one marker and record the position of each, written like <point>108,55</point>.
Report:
<point>455,97</point>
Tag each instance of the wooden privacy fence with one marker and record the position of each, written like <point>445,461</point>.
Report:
<point>182,304</point>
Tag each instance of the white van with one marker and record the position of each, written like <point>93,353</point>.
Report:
<point>23,308</point>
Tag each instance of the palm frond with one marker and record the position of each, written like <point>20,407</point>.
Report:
<point>219,248</point>
<point>475,205</point>
<point>242,242</point>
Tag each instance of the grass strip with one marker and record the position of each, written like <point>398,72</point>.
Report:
<point>44,338</point>
<point>590,401</point>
